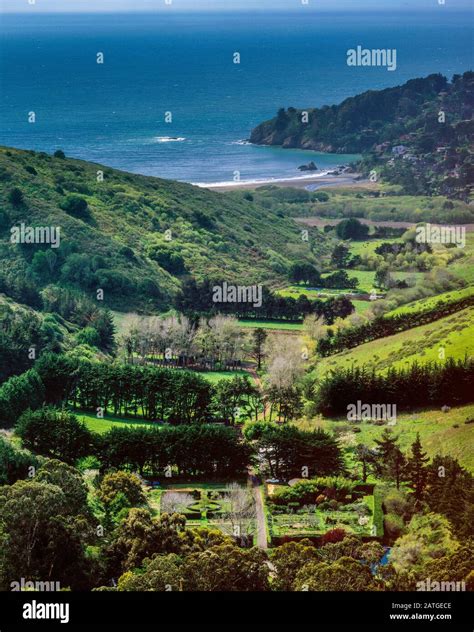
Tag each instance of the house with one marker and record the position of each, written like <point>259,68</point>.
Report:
<point>399,150</point>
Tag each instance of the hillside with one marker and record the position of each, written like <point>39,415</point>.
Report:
<point>398,128</point>
<point>441,432</point>
<point>453,333</point>
<point>135,237</point>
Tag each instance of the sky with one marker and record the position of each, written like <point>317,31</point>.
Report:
<point>89,6</point>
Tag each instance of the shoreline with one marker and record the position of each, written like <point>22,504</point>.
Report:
<point>309,182</point>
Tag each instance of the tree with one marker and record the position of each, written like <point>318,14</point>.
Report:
<point>340,256</point>
<point>241,509</point>
<point>59,154</point>
<point>428,537</point>
<point>15,197</point>
<point>54,433</point>
<point>389,458</point>
<point>344,574</point>
<point>226,568</point>
<point>76,206</point>
<point>42,538</point>
<point>163,572</point>
<point>288,559</point>
<point>128,485</point>
<point>305,273</point>
<point>367,458</point>
<point>69,480</point>
<point>175,502</point>
<point>19,393</point>
<point>259,336</point>
<point>14,463</point>
<point>450,491</point>
<point>417,469</point>
<point>140,536</point>
<point>352,229</point>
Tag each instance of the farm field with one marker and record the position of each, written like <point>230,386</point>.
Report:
<point>445,433</point>
<point>454,334</point>
<point>366,277</point>
<point>270,324</point>
<point>294,291</point>
<point>430,302</point>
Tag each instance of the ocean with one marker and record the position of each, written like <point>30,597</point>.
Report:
<point>114,113</point>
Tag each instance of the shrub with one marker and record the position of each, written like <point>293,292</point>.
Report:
<point>15,197</point>
<point>394,526</point>
<point>76,206</point>
<point>332,536</point>
<point>59,154</point>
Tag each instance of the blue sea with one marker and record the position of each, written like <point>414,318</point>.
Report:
<point>114,113</point>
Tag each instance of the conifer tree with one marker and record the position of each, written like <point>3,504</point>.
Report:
<point>417,471</point>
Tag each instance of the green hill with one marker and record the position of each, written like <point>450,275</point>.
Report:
<point>404,117</point>
<point>135,237</point>
<point>453,333</point>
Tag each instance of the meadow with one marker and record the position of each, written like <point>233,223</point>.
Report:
<point>445,433</point>
<point>449,337</point>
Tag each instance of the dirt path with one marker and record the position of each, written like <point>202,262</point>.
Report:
<point>260,513</point>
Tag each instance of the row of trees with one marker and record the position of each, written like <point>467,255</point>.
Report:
<point>194,450</point>
<point>418,386</point>
<point>382,326</point>
<point>196,299</point>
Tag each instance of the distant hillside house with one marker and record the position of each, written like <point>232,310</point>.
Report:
<point>399,150</point>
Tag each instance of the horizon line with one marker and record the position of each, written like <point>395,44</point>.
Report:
<point>163,11</point>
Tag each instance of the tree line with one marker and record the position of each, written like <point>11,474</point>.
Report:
<point>418,386</point>
<point>196,299</point>
<point>388,326</point>
<point>210,450</point>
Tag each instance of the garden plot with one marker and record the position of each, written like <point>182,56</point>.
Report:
<point>314,507</point>
<point>229,508</point>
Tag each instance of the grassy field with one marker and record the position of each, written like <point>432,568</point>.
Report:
<point>366,277</point>
<point>269,324</point>
<point>464,267</point>
<point>454,334</point>
<point>217,376</point>
<point>102,426</point>
<point>440,433</point>
<point>430,302</point>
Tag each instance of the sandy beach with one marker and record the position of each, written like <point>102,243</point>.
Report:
<point>310,182</point>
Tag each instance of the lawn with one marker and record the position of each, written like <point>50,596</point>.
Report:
<point>216,376</point>
<point>270,324</point>
<point>102,426</point>
<point>440,432</point>
<point>454,334</point>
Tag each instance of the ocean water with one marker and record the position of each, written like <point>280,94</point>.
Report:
<point>114,113</point>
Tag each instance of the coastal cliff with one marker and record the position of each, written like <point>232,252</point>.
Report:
<point>418,135</point>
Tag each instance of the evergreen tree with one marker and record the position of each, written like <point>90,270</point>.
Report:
<point>417,472</point>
